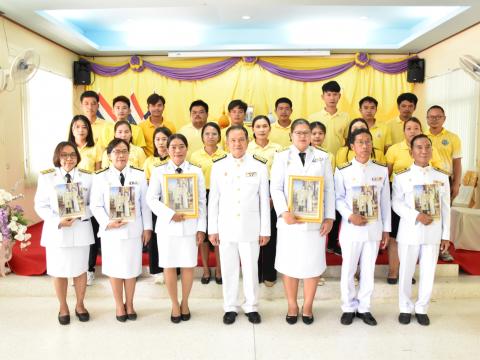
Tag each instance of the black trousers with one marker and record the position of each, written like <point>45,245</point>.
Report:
<point>333,235</point>
<point>266,259</point>
<point>94,248</point>
<point>153,250</point>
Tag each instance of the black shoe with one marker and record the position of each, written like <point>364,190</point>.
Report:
<point>122,318</point>
<point>347,318</point>
<point>206,279</point>
<point>132,316</point>
<point>185,317</point>
<point>337,250</point>
<point>392,281</point>
<point>63,319</point>
<point>423,319</point>
<point>404,318</point>
<point>219,280</point>
<point>254,317</point>
<point>414,281</point>
<point>229,317</point>
<point>83,317</point>
<point>367,318</point>
<point>175,319</point>
<point>291,319</point>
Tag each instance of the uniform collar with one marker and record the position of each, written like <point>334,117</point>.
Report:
<point>255,146</point>
<point>117,172</point>
<point>420,168</point>
<point>277,125</point>
<point>72,173</point>
<point>214,154</point>
<point>442,132</point>
<point>294,150</point>
<point>359,164</point>
<point>174,167</point>
<point>404,145</point>
<point>326,113</point>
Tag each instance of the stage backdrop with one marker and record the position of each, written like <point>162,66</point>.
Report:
<point>257,81</point>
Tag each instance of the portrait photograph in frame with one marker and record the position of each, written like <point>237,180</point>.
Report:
<point>181,194</point>
<point>71,203</point>
<point>427,200</point>
<point>122,203</point>
<point>305,198</point>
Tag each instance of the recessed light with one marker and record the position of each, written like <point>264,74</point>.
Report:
<point>363,17</point>
<point>246,17</point>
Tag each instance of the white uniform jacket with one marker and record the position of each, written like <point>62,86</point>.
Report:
<point>406,192</point>
<point>46,206</point>
<point>239,200</point>
<point>348,180</point>
<point>288,162</point>
<point>156,201</point>
<point>100,202</point>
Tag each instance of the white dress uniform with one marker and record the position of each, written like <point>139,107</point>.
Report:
<point>239,211</point>
<point>121,247</point>
<point>67,248</point>
<point>415,240</point>
<point>361,243</point>
<point>300,248</point>
<point>177,246</point>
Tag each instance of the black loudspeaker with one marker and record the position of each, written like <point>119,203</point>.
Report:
<point>416,71</point>
<point>81,72</point>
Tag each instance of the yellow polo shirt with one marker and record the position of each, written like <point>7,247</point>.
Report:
<point>97,129</point>
<point>449,147</point>
<point>150,163</point>
<point>224,136</point>
<point>381,136</point>
<point>90,155</point>
<point>398,155</point>
<point>266,152</point>
<point>136,157</point>
<point>337,128</point>
<point>109,133</point>
<point>205,161</point>
<point>396,130</point>
<point>148,129</point>
<point>343,155</point>
<point>194,138</point>
<point>280,134</point>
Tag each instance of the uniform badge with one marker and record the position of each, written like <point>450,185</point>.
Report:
<point>445,142</point>
<point>133,182</point>
<point>316,160</point>
<point>438,182</point>
<point>377,178</point>
<point>251,174</point>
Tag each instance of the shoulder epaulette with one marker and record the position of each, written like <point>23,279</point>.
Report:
<point>259,158</point>
<point>320,148</point>
<point>402,171</point>
<point>48,171</point>
<point>136,168</point>
<point>101,170</point>
<point>195,164</point>
<point>160,163</point>
<point>345,165</point>
<point>85,171</point>
<point>379,163</point>
<point>220,158</point>
<point>441,170</point>
<point>285,148</point>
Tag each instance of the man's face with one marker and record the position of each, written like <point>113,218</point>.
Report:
<point>368,110</point>
<point>436,118</point>
<point>283,112</point>
<point>90,107</point>
<point>331,98</point>
<point>237,115</point>
<point>237,143</point>
<point>406,109</point>
<point>156,110</point>
<point>199,116</point>
<point>422,151</point>
<point>121,110</point>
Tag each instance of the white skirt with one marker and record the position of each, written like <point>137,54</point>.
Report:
<point>300,254</point>
<point>65,262</point>
<point>177,251</point>
<point>122,258</point>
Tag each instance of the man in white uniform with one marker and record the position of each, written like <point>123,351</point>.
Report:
<point>239,221</point>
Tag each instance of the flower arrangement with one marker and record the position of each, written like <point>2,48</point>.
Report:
<point>13,227</point>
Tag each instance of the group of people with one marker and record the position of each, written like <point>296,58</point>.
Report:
<point>243,179</point>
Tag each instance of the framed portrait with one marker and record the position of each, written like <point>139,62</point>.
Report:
<point>181,194</point>
<point>365,202</point>
<point>71,203</point>
<point>427,200</point>
<point>305,198</point>
<point>122,203</point>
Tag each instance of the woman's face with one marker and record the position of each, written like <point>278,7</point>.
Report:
<point>79,131</point>
<point>160,142</point>
<point>261,129</point>
<point>68,158</point>
<point>318,136</point>
<point>211,136</point>
<point>123,132</point>
<point>301,136</point>
<point>177,151</point>
<point>119,156</point>
<point>411,129</point>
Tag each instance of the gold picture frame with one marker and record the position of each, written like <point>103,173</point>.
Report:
<point>305,198</point>
<point>181,194</point>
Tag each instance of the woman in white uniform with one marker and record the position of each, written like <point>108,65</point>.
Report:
<point>67,241</point>
<point>177,237</point>
<point>121,240</point>
<point>301,246</point>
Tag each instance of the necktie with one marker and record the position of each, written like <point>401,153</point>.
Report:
<point>178,170</point>
<point>122,179</point>
<point>302,157</point>
<point>69,178</point>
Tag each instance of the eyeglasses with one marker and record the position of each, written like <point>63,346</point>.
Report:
<point>68,156</point>
<point>363,143</point>
<point>301,133</point>
<point>439,117</point>
<point>120,152</point>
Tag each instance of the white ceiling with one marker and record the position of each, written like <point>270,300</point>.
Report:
<point>108,27</point>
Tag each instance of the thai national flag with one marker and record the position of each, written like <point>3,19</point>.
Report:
<point>137,112</point>
<point>104,109</point>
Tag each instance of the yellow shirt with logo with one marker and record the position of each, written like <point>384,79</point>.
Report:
<point>90,155</point>
<point>136,157</point>
<point>97,129</point>
<point>194,138</point>
<point>148,129</point>
<point>449,147</point>
<point>381,136</point>
<point>337,128</point>
<point>266,152</point>
<point>280,134</point>
<point>344,155</point>
<point>109,133</point>
<point>205,161</point>
<point>150,163</point>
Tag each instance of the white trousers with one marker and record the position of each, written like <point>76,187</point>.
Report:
<point>231,253</point>
<point>409,254</point>
<point>354,252</point>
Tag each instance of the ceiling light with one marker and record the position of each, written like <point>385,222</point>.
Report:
<point>246,17</point>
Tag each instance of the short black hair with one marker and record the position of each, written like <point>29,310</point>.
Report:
<point>165,131</point>
<point>436,107</point>
<point>86,122</point>
<point>58,150</point>
<point>297,122</point>
<point>331,86</point>
<point>121,98</point>
<point>199,103</point>
<point>407,97</point>
<point>368,99</point>
<point>237,103</point>
<point>113,144</point>
<point>89,93</point>
<point>415,120</point>
<point>419,136</point>
<point>356,132</point>
<point>318,124</point>
<point>215,126</point>
<point>237,127</point>
<point>283,100</point>
<point>154,99</point>
<point>179,137</point>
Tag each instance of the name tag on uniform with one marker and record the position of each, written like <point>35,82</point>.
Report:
<point>133,182</point>
<point>316,160</point>
<point>377,178</point>
<point>438,182</point>
<point>251,174</point>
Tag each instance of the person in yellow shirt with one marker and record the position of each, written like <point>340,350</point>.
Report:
<point>382,138</point>
<point>406,103</point>
<point>81,135</point>
<point>205,157</point>
<point>237,110</point>
<point>156,106</point>
<point>280,133</point>
<point>121,109</point>
<point>318,137</point>
<point>335,121</point>
<point>193,131</point>
<point>136,155</point>
<point>89,102</point>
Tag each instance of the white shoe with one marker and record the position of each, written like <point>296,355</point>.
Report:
<point>90,278</point>
<point>269,283</point>
<point>321,281</point>
<point>159,278</point>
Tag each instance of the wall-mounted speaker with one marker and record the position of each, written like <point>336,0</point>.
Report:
<point>416,70</point>
<point>81,72</point>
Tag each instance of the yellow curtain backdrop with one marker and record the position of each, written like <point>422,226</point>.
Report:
<point>256,86</point>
